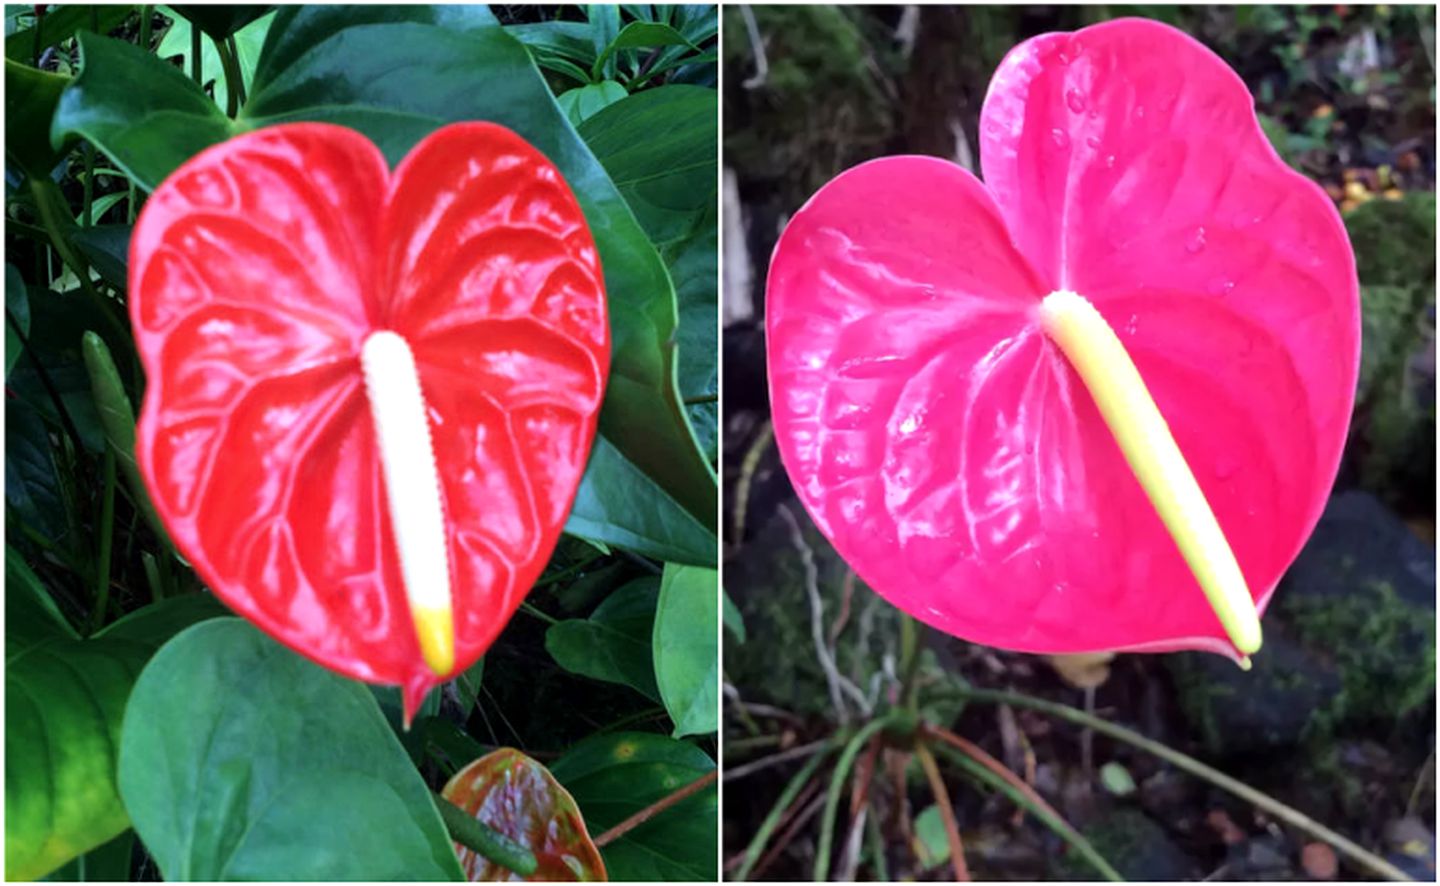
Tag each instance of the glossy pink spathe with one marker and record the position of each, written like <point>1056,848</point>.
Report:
<point>257,271</point>
<point>945,445</point>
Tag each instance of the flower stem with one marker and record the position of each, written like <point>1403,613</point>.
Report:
<point>474,834</point>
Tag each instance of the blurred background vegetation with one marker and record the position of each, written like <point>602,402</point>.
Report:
<point>1338,716</point>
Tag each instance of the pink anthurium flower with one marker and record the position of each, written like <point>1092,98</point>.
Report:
<point>1095,403</point>
<point>370,396</point>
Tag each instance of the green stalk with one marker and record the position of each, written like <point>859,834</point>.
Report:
<point>107,540</point>
<point>1059,826</point>
<point>232,76</point>
<point>39,21</point>
<point>1291,816</point>
<point>543,616</point>
<point>87,206</point>
<point>772,820</point>
<point>51,207</point>
<point>474,834</point>
<point>147,12</point>
<point>195,71</point>
<point>239,75</point>
<point>837,787</point>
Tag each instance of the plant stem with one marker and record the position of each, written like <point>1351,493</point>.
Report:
<point>45,381</point>
<point>195,70</point>
<point>947,812</point>
<point>772,820</point>
<point>87,207</point>
<point>837,787</point>
<point>474,834</point>
<point>107,540</point>
<point>39,20</point>
<point>51,207</point>
<point>701,398</point>
<point>1030,802</point>
<point>656,808</point>
<point>147,12</point>
<point>239,75</point>
<point>543,616</point>
<point>1287,814</point>
<point>232,76</point>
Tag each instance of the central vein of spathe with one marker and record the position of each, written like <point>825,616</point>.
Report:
<point>412,490</point>
<point>1130,412</point>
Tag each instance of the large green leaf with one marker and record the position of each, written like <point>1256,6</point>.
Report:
<point>144,114</point>
<point>219,22</point>
<point>584,102</point>
<point>17,306</point>
<point>613,776</point>
<point>64,699</point>
<point>241,760</point>
<point>30,98</point>
<point>107,249</point>
<point>396,74</point>
<point>613,644</point>
<point>32,481</point>
<point>637,35</point>
<point>618,504</point>
<point>669,180</point>
<point>687,648</point>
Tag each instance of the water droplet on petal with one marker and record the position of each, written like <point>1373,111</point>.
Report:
<point>1061,140</point>
<point>1075,100</point>
<point>1139,112</point>
<point>1092,141</point>
<point>1196,241</point>
<point>1109,161</point>
<point>1226,467</point>
<point>1221,286</point>
<point>1132,325</point>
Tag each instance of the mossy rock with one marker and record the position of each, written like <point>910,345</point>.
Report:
<point>1137,847</point>
<point>778,662</point>
<point>1350,638</point>
<point>1394,241</point>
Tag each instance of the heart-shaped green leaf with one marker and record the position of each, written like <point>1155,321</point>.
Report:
<point>613,644</point>
<point>241,760</point>
<point>614,776</point>
<point>30,99</point>
<point>519,798</point>
<point>687,653</point>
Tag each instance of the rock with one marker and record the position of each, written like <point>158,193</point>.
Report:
<point>1137,847</point>
<point>1350,637</point>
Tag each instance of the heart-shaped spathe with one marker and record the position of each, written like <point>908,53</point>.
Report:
<point>258,270</point>
<point>947,447</point>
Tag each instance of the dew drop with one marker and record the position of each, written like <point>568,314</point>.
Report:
<point>1226,468</point>
<point>1094,114</point>
<point>1075,100</point>
<point>1139,112</point>
<point>1132,325</point>
<point>1093,141</point>
<point>1061,140</point>
<point>1109,161</point>
<point>1222,286</point>
<point>1196,241</point>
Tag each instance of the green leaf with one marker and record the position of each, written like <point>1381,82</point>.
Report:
<point>734,621</point>
<point>64,698</point>
<point>618,504</point>
<point>60,23</point>
<point>637,35</point>
<point>615,775</point>
<point>552,42</point>
<point>107,249</point>
<point>604,21</point>
<point>17,306</point>
<point>613,644</point>
<point>219,22</point>
<point>1117,779</point>
<point>467,686</point>
<point>101,205</point>
<point>152,626</point>
<point>931,844</point>
<point>248,41</point>
<point>144,114</point>
<point>686,647</point>
<point>32,481</point>
<point>242,760</point>
<point>582,103</point>
<point>30,98</point>
<point>108,863</point>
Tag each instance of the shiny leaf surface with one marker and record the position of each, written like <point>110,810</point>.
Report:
<point>947,447</point>
<point>240,760</point>
<point>686,647</point>
<point>616,775</point>
<point>613,644</point>
<point>520,799</point>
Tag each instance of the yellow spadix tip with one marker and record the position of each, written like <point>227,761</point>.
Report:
<point>435,629</point>
<point>1244,663</point>
<point>1100,359</point>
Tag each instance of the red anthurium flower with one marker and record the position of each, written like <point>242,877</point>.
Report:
<point>972,383</point>
<point>370,396</point>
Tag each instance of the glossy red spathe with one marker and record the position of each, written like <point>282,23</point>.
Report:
<point>257,271</point>
<point>942,441</point>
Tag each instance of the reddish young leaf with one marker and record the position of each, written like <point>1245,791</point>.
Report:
<point>258,272</point>
<point>519,798</point>
<point>946,445</point>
